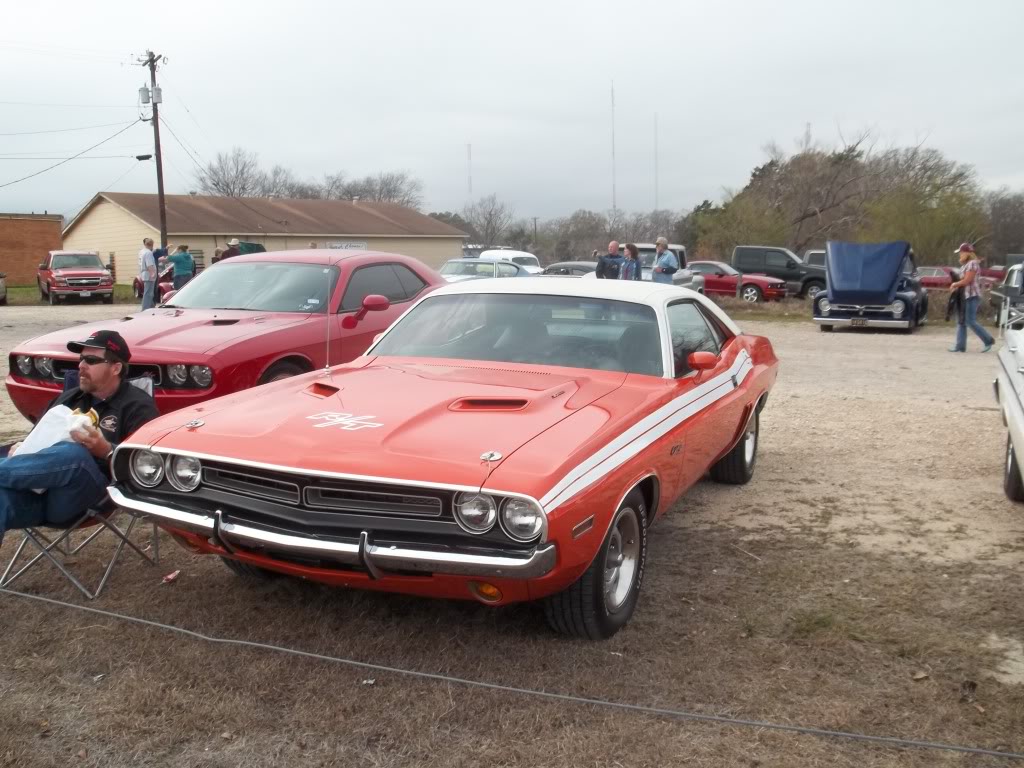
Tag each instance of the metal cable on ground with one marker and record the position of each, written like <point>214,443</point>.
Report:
<point>891,741</point>
<point>55,165</point>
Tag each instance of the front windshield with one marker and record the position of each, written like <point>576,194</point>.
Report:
<point>76,261</point>
<point>471,268</point>
<point>262,286</point>
<point>569,331</point>
<point>526,261</point>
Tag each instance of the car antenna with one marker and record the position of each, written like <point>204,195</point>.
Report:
<point>327,313</point>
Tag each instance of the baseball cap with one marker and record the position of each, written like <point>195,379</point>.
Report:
<point>965,247</point>
<point>110,342</point>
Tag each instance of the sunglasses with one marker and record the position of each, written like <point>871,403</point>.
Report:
<point>92,359</point>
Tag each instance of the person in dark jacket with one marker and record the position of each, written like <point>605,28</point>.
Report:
<point>231,250</point>
<point>631,268</point>
<point>608,266</point>
<point>74,476</point>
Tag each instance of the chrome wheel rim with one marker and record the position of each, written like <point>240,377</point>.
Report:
<point>813,292</point>
<point>750,444</point>
<point>622,559</point>
<point>750,294</point>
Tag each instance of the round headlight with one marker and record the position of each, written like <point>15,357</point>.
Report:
<point>24,363</point>
<point>44,365</point>
<point>824,307</point>
<point>898,307</point>
<point>185,472</point>
<point>475,512</point>
<point>202,375</point>
<point>177,374</point>
<point>147,468</point>
<point>522,520</point>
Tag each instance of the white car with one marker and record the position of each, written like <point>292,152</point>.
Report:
<point>523,258</point>
<point>3,289</point>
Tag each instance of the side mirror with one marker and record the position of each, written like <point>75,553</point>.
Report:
<point>791,264</point>
<point>701,361</point>
<point>3,275</point>
<point>110,266</point>
<point>372,303</point>
<point>42,266</point>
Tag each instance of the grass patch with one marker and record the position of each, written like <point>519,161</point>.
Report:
<point>28,295</point>
<point>807,623</point>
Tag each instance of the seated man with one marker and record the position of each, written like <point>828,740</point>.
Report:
<point>74,475</point>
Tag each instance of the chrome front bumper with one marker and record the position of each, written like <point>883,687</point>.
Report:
<point>377,558</point>
<point>862,322</point>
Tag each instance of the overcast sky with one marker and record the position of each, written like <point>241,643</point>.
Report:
<point>367,86</point>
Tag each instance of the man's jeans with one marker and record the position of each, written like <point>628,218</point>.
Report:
<point>971,319</point>
<point>148,287</point>
<point>66,471</point>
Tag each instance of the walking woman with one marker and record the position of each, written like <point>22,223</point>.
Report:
<point>970,269</point>
<point>631,269</point>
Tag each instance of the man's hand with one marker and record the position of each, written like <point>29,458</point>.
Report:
<point>93,440</point>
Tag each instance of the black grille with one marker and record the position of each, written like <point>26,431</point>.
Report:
<point>251,484</point>
<point>362,501</point>
<point>60,367</point>
<point>327,495</point>
<point>81,282</point>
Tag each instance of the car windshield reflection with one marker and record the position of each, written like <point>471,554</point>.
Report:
<point>569,331</point>
<point>261,286</point>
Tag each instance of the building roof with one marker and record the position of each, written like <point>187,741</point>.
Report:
<point>262,216</point>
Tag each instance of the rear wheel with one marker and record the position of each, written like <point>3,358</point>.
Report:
<point>251,572</point>
<point>1013,486</point>
<point>280,371</point>
<point>751,294</point>
<point>603,599</point>
<point>813,288</point>
<point>737,466</point>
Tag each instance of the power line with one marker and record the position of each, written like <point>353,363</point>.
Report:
<point>891,741</point>
<point>56,165</point>
<point>189,111</point>
<point>60,130</point>
<point>77,106</point>
<point>91,157</point>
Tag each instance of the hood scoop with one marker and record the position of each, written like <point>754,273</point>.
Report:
<point>489,404</point>
<point>225,321</point>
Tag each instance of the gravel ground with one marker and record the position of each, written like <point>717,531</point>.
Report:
<point>868,579</point>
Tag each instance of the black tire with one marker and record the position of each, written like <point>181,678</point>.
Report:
<point>593,608</point>
<point>3,302</point>
<point>825,328</point>
<point>108,299</point>
<point>751,294</point>
<point>42,293</point>
<point>52,297</point>
<point>1013,486</point>
<point>280,371</point>
<point>811,288</point>
<point>250,572</point>
<point>737,466</point>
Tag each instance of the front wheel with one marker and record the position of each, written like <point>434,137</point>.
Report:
<point>737,466</point>
<point>603,599</point>
<point>751,294</point>
<point>53,297</point>
<point>280,371</point>
<point>825,328</point>
<point>813,288</point>
<point>1013,486</point>
<point>249,572</point>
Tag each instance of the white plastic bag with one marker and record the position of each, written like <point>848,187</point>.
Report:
<point>52,428</point>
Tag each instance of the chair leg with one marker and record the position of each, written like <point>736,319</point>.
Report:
<point>10,565</point>
<point>109,524</point>
<point>44,551</point>
<point>156,543</point>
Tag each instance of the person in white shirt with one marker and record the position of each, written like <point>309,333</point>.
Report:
<point>147,273</point>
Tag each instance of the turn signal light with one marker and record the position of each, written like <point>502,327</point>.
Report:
<point>487,593</point>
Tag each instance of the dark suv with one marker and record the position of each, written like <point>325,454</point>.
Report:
<point>801,279</point>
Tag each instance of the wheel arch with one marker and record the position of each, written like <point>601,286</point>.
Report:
<point>294,358</point>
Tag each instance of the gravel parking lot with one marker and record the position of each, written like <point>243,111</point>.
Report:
<point>869,579</point>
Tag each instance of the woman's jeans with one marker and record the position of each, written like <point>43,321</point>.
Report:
<point>971,319</point>
<point>66,472</point>
<point>180,280</point>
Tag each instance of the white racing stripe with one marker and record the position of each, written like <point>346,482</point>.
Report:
<point>646,431</point>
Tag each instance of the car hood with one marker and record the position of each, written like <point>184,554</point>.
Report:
<point>864,273</point>
<point>169,330</point>
<point>413,420</point>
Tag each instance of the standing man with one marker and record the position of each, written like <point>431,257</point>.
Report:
<point>231,250</point>
<point>665,262</point>
<point>74,475</point>
<point>147,273</point>
<point>608,266</point>
<point>970,268</point>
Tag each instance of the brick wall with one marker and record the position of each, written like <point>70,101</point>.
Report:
<point>24,240</point>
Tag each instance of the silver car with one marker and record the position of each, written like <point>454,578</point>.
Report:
<point>3,289</point>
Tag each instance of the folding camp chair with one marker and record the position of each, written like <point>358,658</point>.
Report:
<point>57,544</point>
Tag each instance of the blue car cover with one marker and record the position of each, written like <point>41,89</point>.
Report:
<point>864,273</point>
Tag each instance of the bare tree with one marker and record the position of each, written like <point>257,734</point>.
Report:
<point>490,218</point>
<point>1007,212</point>
<point>235,174</point>
<point>391,187</point>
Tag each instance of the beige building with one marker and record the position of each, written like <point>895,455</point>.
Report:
<point>115,224</point>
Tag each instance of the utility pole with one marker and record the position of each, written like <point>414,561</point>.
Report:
<point>655,161</point>
<point>534,231</point>
<point>469,170</point>
<point>151,61</point>
<point>614,206</point>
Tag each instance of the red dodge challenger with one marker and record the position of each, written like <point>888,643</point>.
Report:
<point>505,440</point>
<point>720,279</point>
<point>246,321</point>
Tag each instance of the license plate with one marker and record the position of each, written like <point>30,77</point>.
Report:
<point>85,294</point>
<point>859,322</point>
